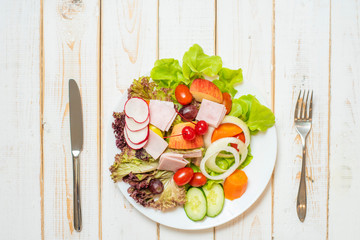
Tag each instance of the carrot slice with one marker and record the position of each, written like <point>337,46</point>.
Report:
<point>235,185</point>
<point>225,130</point>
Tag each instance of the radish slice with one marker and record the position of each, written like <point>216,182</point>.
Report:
<point>137,109</point>
<point>132,145</point>
<point>137,137</point>
<point>134,126</point>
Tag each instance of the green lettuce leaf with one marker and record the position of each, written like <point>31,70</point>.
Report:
<point>257,116</point>
<point>127,162</point>
<point>247,160</point>
<point>172,196</point>
<point>228,79</point>
<point>167,73</point>
<point>196,63</point>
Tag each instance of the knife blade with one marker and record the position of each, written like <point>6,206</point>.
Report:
<point>76,133</point>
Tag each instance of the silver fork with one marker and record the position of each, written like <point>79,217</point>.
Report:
<point>302,119</point>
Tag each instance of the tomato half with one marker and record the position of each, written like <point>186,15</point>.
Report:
<point>182,94</point>
<point>183,176</point>
<point>241,137</point>
<point>198,180</point>
<point>227,102</point>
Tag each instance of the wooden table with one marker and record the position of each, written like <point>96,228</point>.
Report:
<point>282,46</point>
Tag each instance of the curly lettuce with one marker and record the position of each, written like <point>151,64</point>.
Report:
<point>144,88</point>
<point>127,162</point>
<point>172,196</point>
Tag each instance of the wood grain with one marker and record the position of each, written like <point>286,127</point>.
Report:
<point>71,44</point>
<point>302,54</point>
<point>244,39</point>
<point>20,172</point>
<point>344,195</point>
<point>129,49</point>
<point>182,24</point>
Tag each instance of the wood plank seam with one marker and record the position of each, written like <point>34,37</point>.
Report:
<point>328,140</point>
<point>41,102</point>
<point>99,113</point>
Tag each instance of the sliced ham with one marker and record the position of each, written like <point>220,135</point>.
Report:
<point>197,153</point>
<point>162,114</point>
<point>171,121</point>
<point>156,145</point>
<point>172,162</point>
<point>211,112</point>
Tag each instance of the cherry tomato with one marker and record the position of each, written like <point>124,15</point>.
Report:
<point>183,176</point>
<point>201,127</point>
<point>227,102</point>
<point>198,180</point>
<point>241,137</point>
<point>183,95</point>
<point>188,133</point>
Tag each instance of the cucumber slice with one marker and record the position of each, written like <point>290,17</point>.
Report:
<point>195,206</point>
<point>215,198</point>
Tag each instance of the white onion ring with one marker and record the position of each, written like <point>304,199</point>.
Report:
<point>215,148</point>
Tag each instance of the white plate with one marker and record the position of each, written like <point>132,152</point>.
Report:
<point>263,148</point>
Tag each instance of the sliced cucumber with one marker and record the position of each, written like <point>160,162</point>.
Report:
<point>215,199</point>
<point>195,206</point>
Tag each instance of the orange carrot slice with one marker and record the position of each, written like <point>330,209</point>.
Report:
<point>235,185</point>
<point>225,130</point>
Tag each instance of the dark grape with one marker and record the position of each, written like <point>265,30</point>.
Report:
<point>189,112</point>
<point>156,186</point>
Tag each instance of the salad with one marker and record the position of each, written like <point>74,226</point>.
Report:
<point>184,135</point>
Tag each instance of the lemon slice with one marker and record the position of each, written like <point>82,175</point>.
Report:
<point>155,130</point>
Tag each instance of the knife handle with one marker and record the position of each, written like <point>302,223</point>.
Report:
<point>76,187</point>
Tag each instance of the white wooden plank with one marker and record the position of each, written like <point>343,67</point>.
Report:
<point>129,49</point>
<point>302,62</point>
<point>20,120</point>
<point>181,24</point>
<point>71,44</point>
<point>344,195</point>
<point>244,39</point>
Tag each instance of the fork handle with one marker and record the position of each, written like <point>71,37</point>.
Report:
<point>301,198</point>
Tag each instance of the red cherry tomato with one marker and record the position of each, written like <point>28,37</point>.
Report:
<point>198,180</point>
<point>241,137</point>
<point>227,102</point>
<point>201,127</point>
<point>183,176</point>
<point>183,95</point>
<point>188,133</point>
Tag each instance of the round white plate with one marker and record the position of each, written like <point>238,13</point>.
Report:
<point>263,148</point>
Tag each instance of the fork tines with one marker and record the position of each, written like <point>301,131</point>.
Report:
<point>301,109</point>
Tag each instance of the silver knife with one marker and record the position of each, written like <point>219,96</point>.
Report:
<point>76,131</point>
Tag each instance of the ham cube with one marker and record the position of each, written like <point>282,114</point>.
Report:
<point>156,145</point>
<point>162,114</point>
<point>211,112</point>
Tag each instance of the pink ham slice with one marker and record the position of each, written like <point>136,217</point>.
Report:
<point>162,114</point>
<point>172,162</point>
<point>156,145</point>
<point>197,153</point>
<point>211,112</point>
<point>171,121</point>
